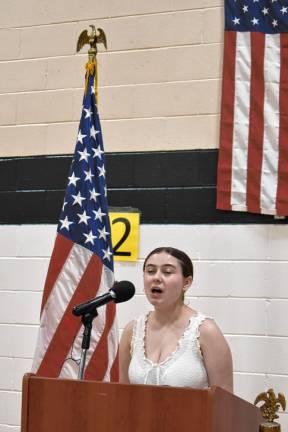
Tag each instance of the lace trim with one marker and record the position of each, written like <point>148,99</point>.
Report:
<point>197,332</point>
<point>134,336</point>
<point>196,320</point>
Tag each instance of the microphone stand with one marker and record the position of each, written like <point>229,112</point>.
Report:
<point>87,320</point>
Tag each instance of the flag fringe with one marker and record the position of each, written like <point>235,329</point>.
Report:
<point>92,70</point>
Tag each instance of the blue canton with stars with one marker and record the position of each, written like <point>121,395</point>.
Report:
<point>264,16</point>
<point>84,217</point>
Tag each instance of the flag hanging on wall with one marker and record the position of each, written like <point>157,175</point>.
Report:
<point>81,264</point>
<point>253,153</point>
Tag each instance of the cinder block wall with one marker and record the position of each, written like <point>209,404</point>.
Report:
<point>159,79</point>
<point>159,90</point>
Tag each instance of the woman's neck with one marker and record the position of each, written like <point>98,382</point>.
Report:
<point>170,315</point>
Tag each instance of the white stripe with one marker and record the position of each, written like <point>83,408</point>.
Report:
<point>244,209</point>
<point>113,340</point>
<point>70,368</point>
<point>59,298</point>
<point>241,119</point>
<point>269,174</point>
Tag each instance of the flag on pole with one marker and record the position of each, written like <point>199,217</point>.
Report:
<point>81,265</point>
<point>253,153</point>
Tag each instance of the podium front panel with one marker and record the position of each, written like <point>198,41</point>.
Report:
<point>59,405</point>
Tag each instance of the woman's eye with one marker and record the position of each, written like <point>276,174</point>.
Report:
<point>150,272</point>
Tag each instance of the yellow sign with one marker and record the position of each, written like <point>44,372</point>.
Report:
<point>125,235</point>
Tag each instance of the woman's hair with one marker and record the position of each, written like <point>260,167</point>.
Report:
<point>184,260</point>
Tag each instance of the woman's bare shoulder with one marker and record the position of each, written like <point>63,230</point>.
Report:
<point>209,329</point>
<point>209,325</point>
<point>129,327</point>
<point>128,331</point>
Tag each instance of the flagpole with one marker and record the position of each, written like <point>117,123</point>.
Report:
<point>91,71</point>
<point>94,38</point>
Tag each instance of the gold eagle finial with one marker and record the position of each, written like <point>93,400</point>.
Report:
<point>95,37</point>
<point>271,404</point>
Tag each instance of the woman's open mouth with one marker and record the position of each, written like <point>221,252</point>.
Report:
<point>156,290</point>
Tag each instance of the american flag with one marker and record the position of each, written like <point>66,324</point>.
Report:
<point>81,264</point>
<point>253,153</point>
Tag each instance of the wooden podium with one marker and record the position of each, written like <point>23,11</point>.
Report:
<point>58,405</point>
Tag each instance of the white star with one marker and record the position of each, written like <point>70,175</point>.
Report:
<point>88,112</point>
<point>93,194</point>
<point>92,90</point>
<point>65,223</point>
<point>275,23</point>
<point>265,11</point>
<point>273,1</point>
<point>284,10</point>
<point>89,175</point>
<point>101,171</point>
<point>255,21</point>
<point>80,137</point>
<point>93,132</point>
<point>78,199</point>
<point>73,179</point>
<point>98,214</point>
<point>103,233</point>
<point>84,155</point>
<point>83,217</point>
<point>245,8</point>
<point>97,152</point>
<point>90,237</point>
<point>255,1</point>
<point>107,253</point>
<point>64,204</point>
<point>236,21</point>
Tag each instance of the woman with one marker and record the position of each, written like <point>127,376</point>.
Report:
<point>174,344</point>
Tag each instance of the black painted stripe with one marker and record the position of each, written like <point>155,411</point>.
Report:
<point>167,187</point>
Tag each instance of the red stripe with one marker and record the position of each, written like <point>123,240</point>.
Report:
<point>227,118</point>
<point>282,189</point>
<point>114,372</point>
<point>98,364</point>
<point>62,248</point>
<point>69,325</point>
<point>256,122</point>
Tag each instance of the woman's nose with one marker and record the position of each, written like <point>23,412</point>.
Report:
<point>157,275</point>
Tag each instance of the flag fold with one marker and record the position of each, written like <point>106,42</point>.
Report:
<point>81,265</point>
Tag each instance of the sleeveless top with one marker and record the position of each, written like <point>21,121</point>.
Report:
<point>182,368</point>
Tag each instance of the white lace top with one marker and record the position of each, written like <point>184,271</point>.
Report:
<point>183,368</point>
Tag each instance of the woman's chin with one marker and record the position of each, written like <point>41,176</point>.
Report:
<point>155,299</point>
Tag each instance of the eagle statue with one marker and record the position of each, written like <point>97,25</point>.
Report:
<point>271,404</point>
<point>94,38</point>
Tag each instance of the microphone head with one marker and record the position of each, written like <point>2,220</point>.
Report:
<point>123,291</point>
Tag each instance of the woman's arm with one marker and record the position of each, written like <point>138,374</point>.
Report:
<point>217,355</point>
<point>125,353</point>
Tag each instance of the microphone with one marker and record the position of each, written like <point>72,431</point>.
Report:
<point>120,292</point>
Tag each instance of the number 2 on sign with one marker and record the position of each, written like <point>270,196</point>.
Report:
<point>125,235</point>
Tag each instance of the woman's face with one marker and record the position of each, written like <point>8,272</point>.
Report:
<point>164,282</point>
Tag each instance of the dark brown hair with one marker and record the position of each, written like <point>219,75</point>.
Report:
<point>184,260</point>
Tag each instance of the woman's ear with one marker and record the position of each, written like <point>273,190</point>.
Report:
<point>188,282</point>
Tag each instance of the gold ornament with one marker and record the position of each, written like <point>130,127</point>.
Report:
<point>92,39</point>
<point>270,408</point>
<point>95,37</point>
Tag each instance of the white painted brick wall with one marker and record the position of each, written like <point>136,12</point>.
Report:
<point>241,281</point>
